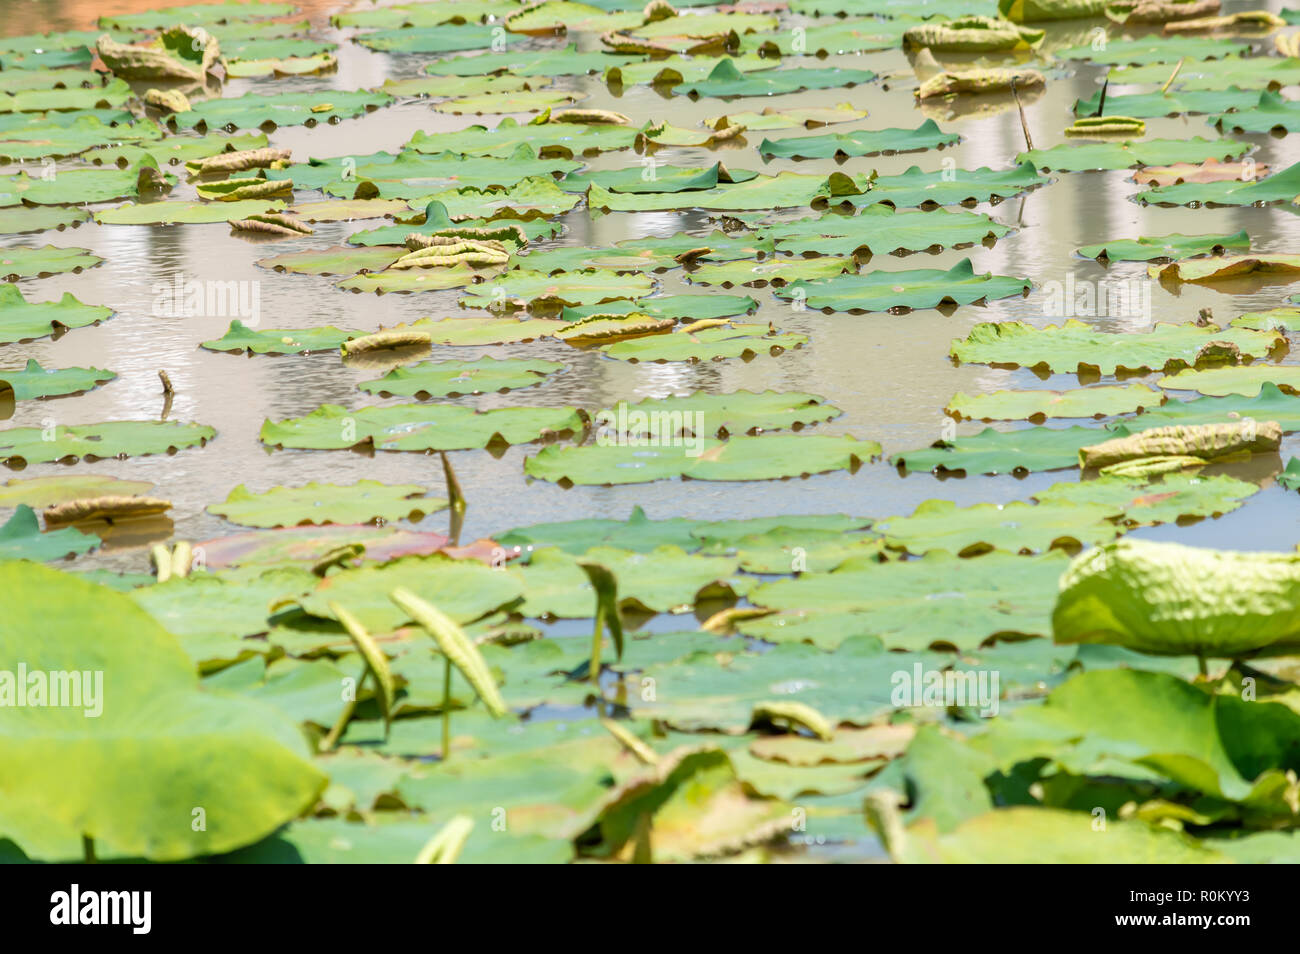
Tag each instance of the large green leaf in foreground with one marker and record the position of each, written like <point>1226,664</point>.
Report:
<point>904,290</point>
<point>1169,598</point>
<point>36,445</point>
<point>69,774</point>
<point>417,427</point>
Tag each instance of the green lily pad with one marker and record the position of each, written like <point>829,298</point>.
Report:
<point>42,492</point>
<point>159,731</point>
<point>783,190</point>
<point>338,260</point>
<point>175,150</point>
<point>556,61</point>
<point>253,110</point>
<point>1228,602</point>
<point>638,533</point>
<point>453,378</point>
<point>79,186</point>
<point>657,178</point>
<point>788,118</point>
<point>548,138</point>
<point>901,291</point>
<point>727,81</point>
<point>1275,319</point>
<point>1248,72</point>
<point>472,332</point>
<point>1002,452</point>
<point>1038,405</point>
<point>37,382</point>
<point>1076,346</point>
<point>880,230</point>
<point>1171,103</point>
<point>462,589</point>
<point>778,272</point>
<point>522,101</point>
<point>533,289</point>
<point>533,197</point>
<point>1015,527</point>
<point>447,38</point>
<point>1249,380</point>
<point>915,188</point>
<point>665,579</point>
<point>21,320</point>
<point>239,337</point>
<point>940,600</point>
<point>1269,112</point>
<point>1281,186</point>
<point>1078,157</point>
<point>21,539</point>
<point>414,279</point>
<point>712,415</point>
<point>362,502</point>
<point>740,458</point>
<point>679,307</point>
<point>1165,247</point>
<point>20,219</point>
<point>166,213</point>
<point>1174,497</point>
<point>859,143</point>
<point>199,13</point>
<point>36,445</point>
<point>1269,404</point>
<point>1156,49</point>
<point>417,427</point>
<point>21,262</point>
<point>744,341</point>
<point>852,685</point>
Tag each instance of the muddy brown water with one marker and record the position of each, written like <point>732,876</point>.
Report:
<point>890,374</point>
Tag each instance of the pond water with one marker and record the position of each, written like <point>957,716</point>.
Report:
<point>890,374</point>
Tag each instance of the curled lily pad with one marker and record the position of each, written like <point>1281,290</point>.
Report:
<point>313,503</point>
<point>740,458</point>
<point>1169,598</point>
<point>417,427</point>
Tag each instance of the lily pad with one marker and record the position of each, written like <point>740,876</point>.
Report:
<point>417,427</point>
<point>21,320</point>
<point>36,445</point>
<point>1174,497</point>
<point>253,110</point>
<point>1078,157</point>
<point>1014,527</point>
<point>453,378</point>
<point>37,382</point>
<point>239,337</point>
<point>362,502</point>
<point>740,458</point>
<point>21,262</point>
<point>17,220</point>
<point>915,188</point>
<point>1246,380</point>
<point>880,230</point>
<point>713,343</point>
<point>1165,247</point>
<point>21,539</point>
<point>727,81</point>
<point>1038,405</point>
<point>166,213</point>
<point>901,291</point>
<point>860,143</point>
<point>1077,346</point>
<point>1002,452</point>
<point>712,415</point>
<point>1269,404</point>
<point>1282,186</point>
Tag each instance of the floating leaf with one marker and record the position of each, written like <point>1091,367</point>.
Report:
<point>1165,247</point>
<point>880,230</point>
<point>1038,405</point>
<point>713,342</point>
<point>740,458</point>
<point>1246,380</point>
<point>453,378</point>
<point>239,337</point>
<point>37,382</point>
<point>21,539</point>
<point>1014,527</point>
<point>417,427</point>
<point>861,143</point>
<point>1175,497</point>
<point>36,445</point>
<point>1002,452</point>
<point>1076,346</point>
<point>1071,157</point>
<point>21,262</point>
<point>363,502</point>
<point>726,81</point>
<point>900,291</point>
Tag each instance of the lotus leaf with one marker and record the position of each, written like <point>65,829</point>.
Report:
<point>1176,496</point>
<point>1002,452</point>
<point>21,539</point>
<point>901,291</point>
<point>21,320</point>
<point>36,445</point>
<point>1165,247</point>
<point>861,143</point>
<point>1038,405</point>
<point>362,502</point>
<point>37,382</point>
